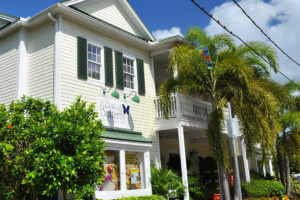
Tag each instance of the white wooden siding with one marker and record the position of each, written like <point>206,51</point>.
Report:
<point>8,68</point>
<point>111,12</point>
<point>143,114</point>
<point>41,64</point>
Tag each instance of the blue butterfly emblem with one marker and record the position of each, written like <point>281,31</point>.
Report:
<point>126,109</point>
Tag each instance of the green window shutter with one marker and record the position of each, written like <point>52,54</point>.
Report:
<point>119,70</point>
<point>82,58</point>
<point>140,76</point>
<point>108,64</point>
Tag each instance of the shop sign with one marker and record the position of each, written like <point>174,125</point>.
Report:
<point>115,113</point>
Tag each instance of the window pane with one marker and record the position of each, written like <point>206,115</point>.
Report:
<point>97,68</point>
<point>98,76</point>
<point>112,172</point>
<point>90,48</point>
<point>135,175</point>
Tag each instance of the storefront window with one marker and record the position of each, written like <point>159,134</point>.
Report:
<point>112,171</point>
<point>134,170</point>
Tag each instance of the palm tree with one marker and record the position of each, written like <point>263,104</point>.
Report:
<point>289,141</point>
<point>236,77</point>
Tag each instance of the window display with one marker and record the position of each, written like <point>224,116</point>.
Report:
<point>112,171</point>
<point>134,170</point>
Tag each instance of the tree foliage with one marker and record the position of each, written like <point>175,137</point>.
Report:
<point>43,149</point>
<point>238,76</point>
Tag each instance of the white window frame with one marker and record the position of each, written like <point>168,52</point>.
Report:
<point>123,147</point>
<point>135,84</point>
<point>90,80</point>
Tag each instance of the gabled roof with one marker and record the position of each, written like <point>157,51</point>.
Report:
<point>129,11</point>
<point>6,19</point>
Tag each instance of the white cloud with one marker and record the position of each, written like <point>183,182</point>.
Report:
<point>279,19</point>
<point>160,34</point>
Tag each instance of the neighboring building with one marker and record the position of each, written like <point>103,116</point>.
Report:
<point>102,51</point>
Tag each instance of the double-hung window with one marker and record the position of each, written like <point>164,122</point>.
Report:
<point>129,72</point>
<point>94,61</point>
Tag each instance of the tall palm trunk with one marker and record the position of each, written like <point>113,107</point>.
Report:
<point>224,182</point>
<point>287,168</point>
<point>214,134</point>
<point>280,163</point>
<point>288,175</point>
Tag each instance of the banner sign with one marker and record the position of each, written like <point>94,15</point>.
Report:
<point>115,113</point>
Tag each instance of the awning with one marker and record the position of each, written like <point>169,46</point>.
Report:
<point>119,134</point>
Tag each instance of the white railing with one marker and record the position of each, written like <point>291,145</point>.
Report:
<point>185,107</point>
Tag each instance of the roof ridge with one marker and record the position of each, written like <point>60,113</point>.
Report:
<point>8,15</point>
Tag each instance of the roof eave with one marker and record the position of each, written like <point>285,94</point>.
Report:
<point>127,6</point>
<point>59,8</point>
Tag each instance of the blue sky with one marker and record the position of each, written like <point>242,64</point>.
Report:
<point>164,14</point>
<point>278,18</point>
<point>156,14</point>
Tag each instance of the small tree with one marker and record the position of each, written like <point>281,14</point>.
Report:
<point>43,149</point>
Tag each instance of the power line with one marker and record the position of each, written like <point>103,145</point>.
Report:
<point>233,34</point>
<point>238,5</point>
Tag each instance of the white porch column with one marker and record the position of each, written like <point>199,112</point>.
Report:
<point>158,149</point>
<point>271,167</point>
<point>245,161</point>
<point>264,170</point>
<point>183,161</point>
<point>122,170</point>
<point>147,171</point>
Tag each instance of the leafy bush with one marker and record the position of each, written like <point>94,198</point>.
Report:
<point>195,189</point>
<point>166,183</point>
<point>153,197</point>
<point>43,149</point>
<point>263,188</point>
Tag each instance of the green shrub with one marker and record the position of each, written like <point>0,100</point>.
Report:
<point>263,188</point>
<point>166,183</point>
<point>153,197</point>
<point>195,189</point>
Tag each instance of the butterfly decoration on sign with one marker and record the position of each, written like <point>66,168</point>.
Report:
<point>126,109</point>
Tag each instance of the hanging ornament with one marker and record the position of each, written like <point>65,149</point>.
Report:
<point>206,57</point>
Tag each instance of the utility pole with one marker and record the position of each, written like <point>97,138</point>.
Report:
<point>232,137</point>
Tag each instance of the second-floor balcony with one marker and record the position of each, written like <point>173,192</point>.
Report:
<point>185,110</point>
<point>184,107</point>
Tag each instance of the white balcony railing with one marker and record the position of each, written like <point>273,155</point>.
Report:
<point>185,107</point>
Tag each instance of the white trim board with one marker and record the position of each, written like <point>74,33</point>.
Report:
<point>57,68</point>
<point>22,63</point>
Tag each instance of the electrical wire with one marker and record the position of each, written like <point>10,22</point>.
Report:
<point>245,13</point>
<point>233,34</point>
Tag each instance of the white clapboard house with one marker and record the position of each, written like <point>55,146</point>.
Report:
<point>101,50</point>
